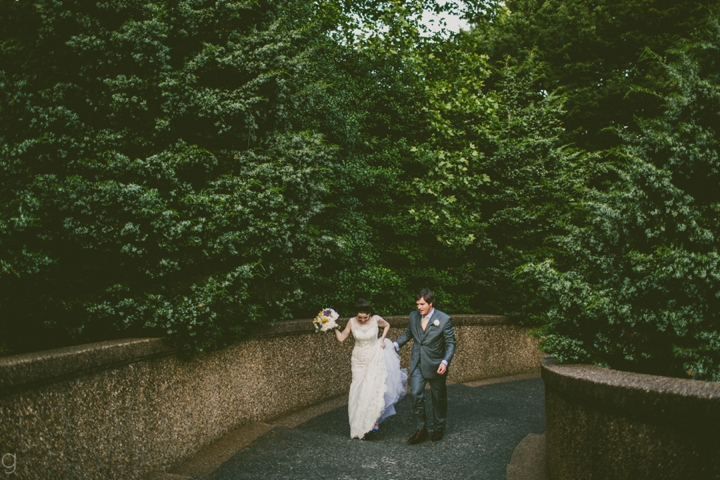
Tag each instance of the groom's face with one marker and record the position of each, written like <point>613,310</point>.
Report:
<point>423,307</point>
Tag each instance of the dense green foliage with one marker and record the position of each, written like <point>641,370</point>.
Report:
<point>631,280</point>
<point>193,168</point>
<point>198,169</point>
<point>156,172</point>
<point>497,180</point>
<point>590,52</point>
<point>636,283</point>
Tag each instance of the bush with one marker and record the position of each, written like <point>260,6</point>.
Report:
<point>195,169</point>
<point>158,177</point>
<point>496,179</point>
<point>636,285</point>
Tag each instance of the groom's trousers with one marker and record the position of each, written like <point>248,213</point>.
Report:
<point>438,393</point>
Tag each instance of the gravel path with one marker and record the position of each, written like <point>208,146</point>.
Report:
<point>485,423</point>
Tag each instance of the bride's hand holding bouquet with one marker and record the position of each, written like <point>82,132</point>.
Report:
<point>326,320</point>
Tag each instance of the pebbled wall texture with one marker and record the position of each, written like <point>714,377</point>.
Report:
<point>606,424</point>
<point>125,408</point>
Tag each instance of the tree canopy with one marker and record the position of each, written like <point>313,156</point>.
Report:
<point>197,170</point>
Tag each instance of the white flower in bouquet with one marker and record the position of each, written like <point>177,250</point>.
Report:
<point>325,320</point>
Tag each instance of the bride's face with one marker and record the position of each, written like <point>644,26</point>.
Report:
<point>362,317</point>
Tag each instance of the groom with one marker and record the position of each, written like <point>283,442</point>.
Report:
<point>433,348</point>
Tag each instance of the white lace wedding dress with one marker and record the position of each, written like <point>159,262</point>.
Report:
<point>378,382</point>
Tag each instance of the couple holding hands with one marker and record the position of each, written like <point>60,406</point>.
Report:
<point>378,382</point>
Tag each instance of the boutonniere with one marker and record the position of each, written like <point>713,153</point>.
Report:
<point>436,323</point>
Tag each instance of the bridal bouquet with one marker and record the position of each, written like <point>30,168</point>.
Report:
<point>325,320</point>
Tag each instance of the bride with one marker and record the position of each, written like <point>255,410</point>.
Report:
<point>378,382</point>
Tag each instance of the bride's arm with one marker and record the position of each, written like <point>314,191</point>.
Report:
<point>386,328</point>
<point>341,336</point>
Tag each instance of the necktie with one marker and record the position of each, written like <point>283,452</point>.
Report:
<point>424,322</point>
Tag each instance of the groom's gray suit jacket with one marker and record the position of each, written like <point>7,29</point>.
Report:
<point>431,346</point>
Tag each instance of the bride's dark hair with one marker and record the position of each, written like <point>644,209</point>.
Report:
<point>363,306</point>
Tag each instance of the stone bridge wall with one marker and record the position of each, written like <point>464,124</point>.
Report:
<point>121,409</point>
<point>605,424</point>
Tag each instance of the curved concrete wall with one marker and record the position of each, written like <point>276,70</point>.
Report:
<point>605,424</point>
<point>122,409</point>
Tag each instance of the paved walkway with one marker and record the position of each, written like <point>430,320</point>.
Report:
<point>495,432</point>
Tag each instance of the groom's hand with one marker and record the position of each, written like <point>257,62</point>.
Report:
<point>442,369</point>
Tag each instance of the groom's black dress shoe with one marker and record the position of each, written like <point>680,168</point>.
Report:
<point>419,436</point>
<point>437,435</point>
